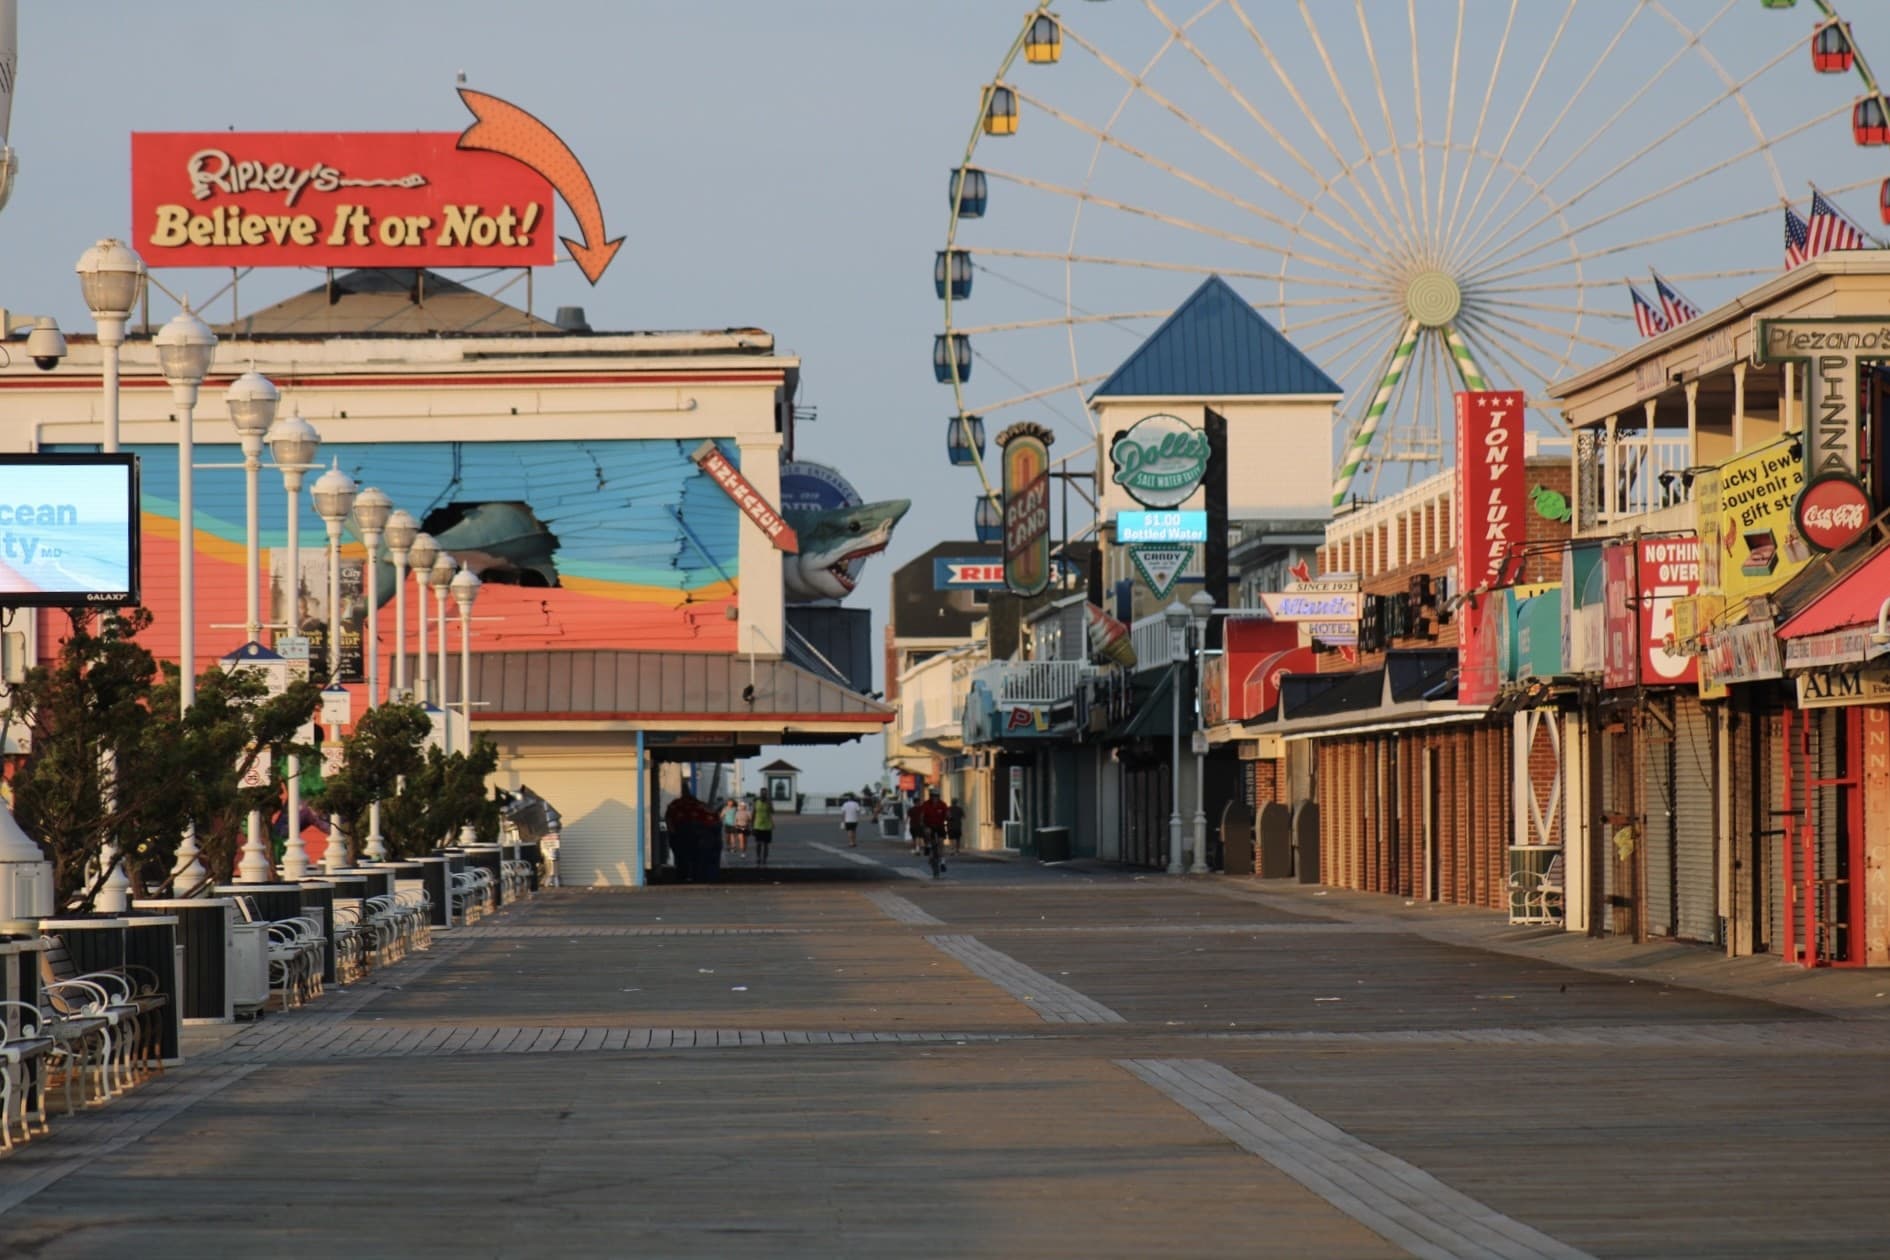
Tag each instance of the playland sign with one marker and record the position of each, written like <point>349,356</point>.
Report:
<point>477,198</point>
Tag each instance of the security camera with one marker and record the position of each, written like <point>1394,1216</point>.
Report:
<point>45,345</point>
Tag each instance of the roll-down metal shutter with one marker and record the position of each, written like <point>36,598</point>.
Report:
<point>1657,750</point>
<point>1695,872</point>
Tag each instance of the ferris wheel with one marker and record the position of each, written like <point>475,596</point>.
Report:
<point>1423,196</point>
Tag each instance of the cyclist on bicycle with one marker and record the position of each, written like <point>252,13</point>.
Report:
<point>934,814</point>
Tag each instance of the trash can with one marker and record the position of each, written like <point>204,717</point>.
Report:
<point>1053,844</point>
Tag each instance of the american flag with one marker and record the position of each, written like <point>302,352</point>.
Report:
<point>1797,239</point>
<point>1647,316</point>
<point>1830,229</point>
<point>1675,307</point>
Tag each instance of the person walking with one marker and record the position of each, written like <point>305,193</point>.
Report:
<point>763,825</point>
<point>729,828</point>
<point>744,822</point>
<point>955,825</point>
<point>850,821</point>
<point>932,816</point>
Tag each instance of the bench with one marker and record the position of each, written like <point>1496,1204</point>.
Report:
<point>127,996</point>
<point>1537,896</point>
<point>517,879</point>
<point>355,941</point>
<point>298,950</point>
<point>471,893</point>
<point>25,1043</point>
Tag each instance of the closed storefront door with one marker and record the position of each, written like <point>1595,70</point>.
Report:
<point>1696,892</point>
<point>598,842</point>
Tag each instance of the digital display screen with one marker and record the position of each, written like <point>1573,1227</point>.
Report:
<point>68,530</point>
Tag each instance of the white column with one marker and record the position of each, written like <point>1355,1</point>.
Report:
<point>374,849</point>
<point>255,866</point>
<point>446,707</point>
<point>115,894</point>
<point>1739,407</point>
<point>400,622</point>
<point>423,689</point>
<point>1174,770</point>
<point>294,852</point>
<point>335,856</point>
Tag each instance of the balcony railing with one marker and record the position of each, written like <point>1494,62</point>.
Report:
<point>1639,473</point>
<point>1039,682</point>
<point>932,696</point>
<point>1153,646</point>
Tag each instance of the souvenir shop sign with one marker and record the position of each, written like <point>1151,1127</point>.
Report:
<point>1852,645</point>
<point>1831,688</point>
<point>1749,543</point>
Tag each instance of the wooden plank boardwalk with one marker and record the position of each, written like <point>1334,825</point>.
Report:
<point>1011,1062</point>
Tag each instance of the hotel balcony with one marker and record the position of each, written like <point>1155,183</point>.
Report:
<point>932,697</point>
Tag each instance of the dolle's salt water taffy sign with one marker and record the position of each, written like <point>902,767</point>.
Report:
<point>1160,460</point>
<point>477,198</point>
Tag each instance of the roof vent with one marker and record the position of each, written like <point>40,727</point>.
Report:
<point>571,319</point>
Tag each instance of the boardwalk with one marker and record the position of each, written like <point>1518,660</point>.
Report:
<point>1015,1061</point>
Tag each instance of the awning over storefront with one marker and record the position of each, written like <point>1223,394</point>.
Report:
<point>704,695</point>
<point>1154,711</point>
<point>1855,599</point>
<point>1412,688</point>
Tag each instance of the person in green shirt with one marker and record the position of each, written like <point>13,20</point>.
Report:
<point>763,828</point>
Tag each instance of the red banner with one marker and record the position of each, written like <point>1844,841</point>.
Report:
<point>709,459</point>
<point>1489,500</point>
<point>1620,652</point>
<point>334,199</point>
<point>1669,571</point>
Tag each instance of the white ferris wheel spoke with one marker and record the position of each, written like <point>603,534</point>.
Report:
<point>1450,105</point>
<point>1486,303</point>
<point>1227,85</point>
<point>1493,242</point>
<point>1419,244</point>
<point>1514,321</point>
<point>1366,148</point>
<point>1508,344</point>
<point>1311,117</point>
<point>1378,307</point>
<point>1279,251</point>
<point>1374,339</point>
<point>1483,113</point>
<point>1194,181</point>
<point>1490,345</point>
<point>1489,269</point>
<point>1034,395</point>
<point>1055,410</point>
<point>1059,321</point>
<point>1417,110</point>
<point>1516,117</point>
<point>1568,106</point>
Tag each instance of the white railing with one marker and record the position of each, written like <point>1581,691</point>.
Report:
<point>1153,646</point>
<point>1041,682</point>
<point>1641,473</point>
<point>932,696</point>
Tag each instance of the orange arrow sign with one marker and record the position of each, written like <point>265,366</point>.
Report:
<point>502,127</point>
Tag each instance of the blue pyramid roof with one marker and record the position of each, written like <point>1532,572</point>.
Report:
<point>1216,346</point>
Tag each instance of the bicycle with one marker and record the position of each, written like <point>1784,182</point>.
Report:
<point>935,850</point>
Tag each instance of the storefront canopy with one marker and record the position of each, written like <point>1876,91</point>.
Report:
<point>1855,599</point>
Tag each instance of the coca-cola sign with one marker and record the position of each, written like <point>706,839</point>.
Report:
<point>1832,511</point>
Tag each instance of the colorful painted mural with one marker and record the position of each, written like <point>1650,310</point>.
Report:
<point>580,544</point>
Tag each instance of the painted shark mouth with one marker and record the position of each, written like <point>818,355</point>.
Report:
<point>839,567</point>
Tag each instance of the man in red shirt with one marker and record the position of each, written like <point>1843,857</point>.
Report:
<point>933,815</point>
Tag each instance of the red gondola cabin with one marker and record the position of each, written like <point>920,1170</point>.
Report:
<point>1870,122</point>
<point>1831,49</point>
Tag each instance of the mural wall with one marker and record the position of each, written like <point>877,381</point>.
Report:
<point>580,544</point>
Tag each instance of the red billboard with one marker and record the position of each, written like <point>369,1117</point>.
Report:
<point>1489,499</point>
<point>1669,571</point>
<point>1621,649</point>
<point>334,199</point>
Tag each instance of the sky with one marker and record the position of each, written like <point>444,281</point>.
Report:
<point>783,163</point>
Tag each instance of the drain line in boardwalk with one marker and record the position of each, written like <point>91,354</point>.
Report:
<point>1398,1201</point>
<point>900,910</point>
<point>1054,1003</point>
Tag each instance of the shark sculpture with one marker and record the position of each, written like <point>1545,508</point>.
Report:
<point>835,543</point>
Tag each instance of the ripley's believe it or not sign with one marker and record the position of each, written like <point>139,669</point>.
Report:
<point>478,198</point>
<point>1026,463</point>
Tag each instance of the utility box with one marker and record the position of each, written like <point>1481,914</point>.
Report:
<point>1053,844</point>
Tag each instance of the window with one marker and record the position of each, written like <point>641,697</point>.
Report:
<point>778,789</point>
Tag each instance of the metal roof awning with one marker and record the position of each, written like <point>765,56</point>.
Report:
<point>1854,599</point>
<point>713,695</point>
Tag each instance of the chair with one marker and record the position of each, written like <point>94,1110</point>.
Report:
<point>22,1065</point>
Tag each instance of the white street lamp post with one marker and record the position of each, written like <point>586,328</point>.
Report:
<point>371,512</point>
<point>252,400</point>
<point>1177,618</point>
<point>465,589</point>
<point>440,578</point>
<point>1200,608</point>
<point>421,557</point>
<point>293,443</point>
<point>334,494</point>
<point>111,275</point>
<point>185,346</point>
<point>401,533</point>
